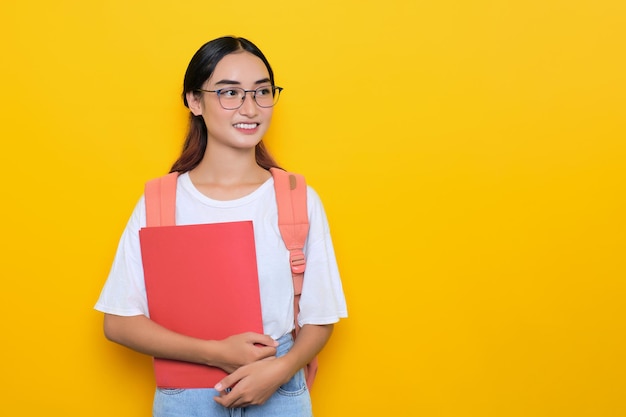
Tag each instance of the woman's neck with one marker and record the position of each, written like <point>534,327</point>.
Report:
<point>228,178</point>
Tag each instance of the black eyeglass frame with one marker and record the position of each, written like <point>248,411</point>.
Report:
<point>245,94</point>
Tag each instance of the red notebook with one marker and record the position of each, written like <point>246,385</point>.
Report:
<point>201,281</point>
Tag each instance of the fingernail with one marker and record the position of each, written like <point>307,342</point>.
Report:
<point>218,386</point>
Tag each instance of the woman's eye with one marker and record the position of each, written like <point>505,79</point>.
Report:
<point>229,93</point>
<point>264,91</point>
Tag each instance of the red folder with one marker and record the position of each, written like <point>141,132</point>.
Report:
<point>201,281</point>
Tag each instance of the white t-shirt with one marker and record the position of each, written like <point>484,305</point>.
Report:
<point>322,300</point>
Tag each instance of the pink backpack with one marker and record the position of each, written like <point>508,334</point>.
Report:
<point>293,223</point>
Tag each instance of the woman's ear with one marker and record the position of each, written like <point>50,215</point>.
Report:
<point>194,102</point>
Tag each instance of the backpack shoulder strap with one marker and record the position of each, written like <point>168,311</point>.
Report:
<point>293,219</point>
<point>293,223</point>
<point>160,195</point>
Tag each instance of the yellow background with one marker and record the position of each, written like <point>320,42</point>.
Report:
<point>470,155</point>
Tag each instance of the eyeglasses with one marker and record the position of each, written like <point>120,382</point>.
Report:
<point>232,98</point>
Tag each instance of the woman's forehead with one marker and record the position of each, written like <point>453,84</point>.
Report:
<point>240,67</point>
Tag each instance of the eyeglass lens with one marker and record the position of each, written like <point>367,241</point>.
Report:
<point>232,98</point>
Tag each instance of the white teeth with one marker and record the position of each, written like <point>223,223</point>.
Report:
<point>246,125</point>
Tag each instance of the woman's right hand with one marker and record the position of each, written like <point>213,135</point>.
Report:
<point>242,349</point>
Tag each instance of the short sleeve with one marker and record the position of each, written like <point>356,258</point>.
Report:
<point>124,292</point>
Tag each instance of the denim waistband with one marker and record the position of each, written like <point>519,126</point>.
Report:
<point>285,343</point>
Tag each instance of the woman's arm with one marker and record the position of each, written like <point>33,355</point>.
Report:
<point>310,342</point>
<point>257,381</point>
<point>144,335</point>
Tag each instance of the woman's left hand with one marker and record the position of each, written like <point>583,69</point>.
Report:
<point>252,384</point>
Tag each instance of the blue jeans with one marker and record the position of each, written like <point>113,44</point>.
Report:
<point>290,400</point>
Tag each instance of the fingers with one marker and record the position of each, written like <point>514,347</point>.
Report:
<point>223,387</point>
<point>263,340</point>
<point>266,346</point>
<point>230,401</point>
<point>227,398</point>
<point>265,352</point>
<point>233,398</point>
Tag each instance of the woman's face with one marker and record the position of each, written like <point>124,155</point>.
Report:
<point>241,128</point>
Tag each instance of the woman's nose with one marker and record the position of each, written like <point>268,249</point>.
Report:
<point>249,106</point>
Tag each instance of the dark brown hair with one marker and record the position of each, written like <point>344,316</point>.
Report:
<point>200,68</point>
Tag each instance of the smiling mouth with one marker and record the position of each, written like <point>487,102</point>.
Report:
<point>246,125</point>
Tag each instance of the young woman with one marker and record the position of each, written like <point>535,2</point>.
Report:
<point>224,177</point>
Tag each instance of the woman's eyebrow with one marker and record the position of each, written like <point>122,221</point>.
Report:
<point>227,82</point>
<point>233,82</point>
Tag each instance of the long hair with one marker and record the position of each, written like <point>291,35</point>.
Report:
<point>200,68</point>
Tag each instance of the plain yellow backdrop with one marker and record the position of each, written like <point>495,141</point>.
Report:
<point>470,155</point>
